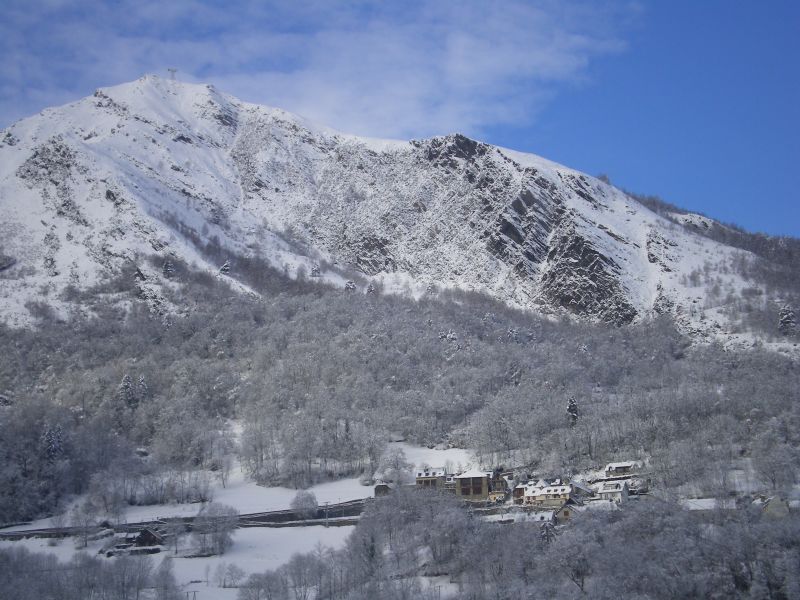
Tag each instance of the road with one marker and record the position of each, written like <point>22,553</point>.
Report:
<point>335,515</point>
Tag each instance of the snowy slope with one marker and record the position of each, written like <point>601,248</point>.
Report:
<point>154,166</point>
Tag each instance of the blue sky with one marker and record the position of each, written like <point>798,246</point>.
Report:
<point>694,101</point>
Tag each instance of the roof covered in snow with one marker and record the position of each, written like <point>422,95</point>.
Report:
<point>473,473</point>
<point>708,503</point>
<point>621,465</point>
<point>432,472</point>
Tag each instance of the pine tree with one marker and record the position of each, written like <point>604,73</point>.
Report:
<point>787,321</point>
<point>142,390</point>
<point>168,269</point>
<point>547,532</point>
<point>572,411</point>
<point>126,393</point>
<point>53,442</point>
<point>226,268</point>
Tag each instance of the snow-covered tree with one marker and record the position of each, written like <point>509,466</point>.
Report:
<point>225,268</point>
<point>572,410</point>
<point>53,442</point>
<point>168,269</point>
<point>126,392</point>
<point>305,504</point>
<point>547,532</point>
<point>164,583</point>
<point>142,392</point>
<point>394,467</point>
<point>787,321</point>
<point>213,528</point>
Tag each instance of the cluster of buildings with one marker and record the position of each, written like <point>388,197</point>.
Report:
<point>555,500</point>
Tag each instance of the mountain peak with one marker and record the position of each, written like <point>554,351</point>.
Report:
<point>160,168</point>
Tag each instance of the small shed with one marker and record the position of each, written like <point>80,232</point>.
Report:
<point>148,537</point>
<point>621,469</point>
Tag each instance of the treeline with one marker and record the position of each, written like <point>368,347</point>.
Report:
<point>411,542</point>
<point>25,575</point>
<point>319,378</point>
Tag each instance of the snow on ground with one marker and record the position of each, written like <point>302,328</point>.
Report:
<point>254,550</point>
<point>64,549</point>
<point>459,458</point>
<point>257,549</point>
<point>248,497</point>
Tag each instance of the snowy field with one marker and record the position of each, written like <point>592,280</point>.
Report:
<point>257,549</point>
<point>254,550</point>
<point>248,497</point>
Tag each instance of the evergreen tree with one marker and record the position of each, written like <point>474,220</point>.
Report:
<point>226,268</point>
<point>126,392</point>
<point>168,269</point>
<point>572,411</point>
<point>53,442</point>
<point>787,321</point>
<point>547,532</point>
<point>142,391</point>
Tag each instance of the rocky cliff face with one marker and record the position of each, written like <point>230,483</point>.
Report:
<point>156,167</point>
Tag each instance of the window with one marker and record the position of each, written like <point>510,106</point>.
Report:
<point>477,486</point>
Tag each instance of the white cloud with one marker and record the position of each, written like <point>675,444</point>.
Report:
<point>384,69</point>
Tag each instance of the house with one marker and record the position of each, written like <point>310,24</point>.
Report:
<point>499,484</point>
<point>566,512</point>
<point>430,478</point>
<point>552,496</point>
<point>614,491</point>
<point>775,508</point>
<point>473,485</point>
<point>621,469</point>
<point>518,493</point>
<point>581,490</point>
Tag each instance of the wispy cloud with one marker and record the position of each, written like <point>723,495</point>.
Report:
<point>386,69</point>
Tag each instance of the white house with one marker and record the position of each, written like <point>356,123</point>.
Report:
<point>614,491</point>
<point>553,496</point>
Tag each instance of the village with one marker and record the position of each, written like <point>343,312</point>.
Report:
<point>507,496</point>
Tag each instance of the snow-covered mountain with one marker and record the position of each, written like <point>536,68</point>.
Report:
<point>154,166</point>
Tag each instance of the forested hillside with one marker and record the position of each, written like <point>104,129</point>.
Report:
<point>320,377</point>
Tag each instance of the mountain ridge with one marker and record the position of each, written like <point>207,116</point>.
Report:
<point>153,166</point>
